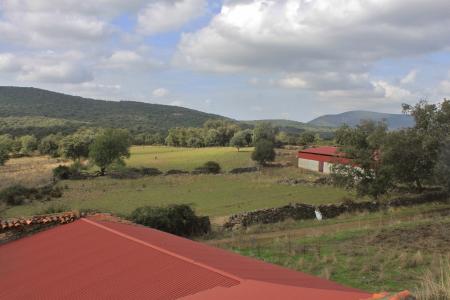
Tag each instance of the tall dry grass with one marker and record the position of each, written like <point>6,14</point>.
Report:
<point>435,284</point>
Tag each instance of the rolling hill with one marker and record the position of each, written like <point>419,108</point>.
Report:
<point>29,108</point>
<point>353,118</point>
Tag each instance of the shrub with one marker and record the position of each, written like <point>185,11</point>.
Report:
<point>176,219</point>
<point>264,151</point>
<point>55,209</point>
<point>210,167</point>
<point>15,195</point>
<point>150,172</point>
<point>244,170</point>
<point>176,172</point>
<point>62,172</point>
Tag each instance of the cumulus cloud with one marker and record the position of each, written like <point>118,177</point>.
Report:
<point>160,92</point>
<point>8,63</point>
<point>410,77</point>
<point>163,16</point>
<point>325,35</point>
<point>128,59</point>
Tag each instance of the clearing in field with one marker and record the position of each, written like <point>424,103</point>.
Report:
<point>28,171</point>
<point>166,158</point>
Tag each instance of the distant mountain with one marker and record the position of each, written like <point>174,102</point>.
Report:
<point>353,118</point>
<point>291,126</point>
<point>30,108</point>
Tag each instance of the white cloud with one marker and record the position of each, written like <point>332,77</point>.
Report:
<point>160,92</point>
<point>8,63</point>
<point>410,77</point>
<point>128,59</point>
<point>58,72</point>
<point>321,35</point>
<point>293,82</point>
<point>444,88</point>
<point>176,103</point>
<point>169,15</point>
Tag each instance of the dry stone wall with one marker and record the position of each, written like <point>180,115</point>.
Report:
<point>300,211</point>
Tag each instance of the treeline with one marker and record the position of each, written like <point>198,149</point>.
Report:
<point>410,158</point>
<point>226,133</point>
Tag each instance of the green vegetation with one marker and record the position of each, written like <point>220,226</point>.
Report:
<point>210,195</point>
<point>166,158</point>
<point>264,152</point>
<point>112,146</point>
<point>137,117</point>
<point>411,157</point>
<point>390,250</point>
<point>353,118</point>
<point>176,219</point>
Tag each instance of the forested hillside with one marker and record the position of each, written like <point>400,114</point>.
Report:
<point>34,109</point>
<point>353,118</point>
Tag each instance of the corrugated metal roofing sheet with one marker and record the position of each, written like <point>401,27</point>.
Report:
<point>96,260</point>
<point>326,150</point>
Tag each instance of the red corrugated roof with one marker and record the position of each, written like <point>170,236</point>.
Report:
<point>326,150</point>
<point>91,259</point>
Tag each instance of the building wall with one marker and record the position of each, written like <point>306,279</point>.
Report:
<point>327,167</point>
<point>308,164</point>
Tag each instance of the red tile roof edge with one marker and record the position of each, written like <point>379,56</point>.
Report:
<point>19,223</point>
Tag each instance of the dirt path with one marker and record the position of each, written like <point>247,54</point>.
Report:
<point>312,231</point>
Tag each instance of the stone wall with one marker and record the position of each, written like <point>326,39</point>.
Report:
<point>299,211</point>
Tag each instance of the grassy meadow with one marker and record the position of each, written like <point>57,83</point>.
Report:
<point>404,248</point>
<point>166,158</point>
<point>212,195</point>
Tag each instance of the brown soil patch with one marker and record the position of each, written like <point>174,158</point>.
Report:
<point>28,171</point>
<point>432,237</point>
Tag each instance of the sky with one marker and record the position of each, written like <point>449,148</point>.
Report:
<point>244,59</point>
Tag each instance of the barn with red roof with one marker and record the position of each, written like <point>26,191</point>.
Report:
<point>320,159</point>
<point>92,258</point>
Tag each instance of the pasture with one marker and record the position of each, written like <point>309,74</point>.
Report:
<point>166,158</point>
<point>212,195</point>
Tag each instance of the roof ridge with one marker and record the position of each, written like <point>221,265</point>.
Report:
<point>178,256</point>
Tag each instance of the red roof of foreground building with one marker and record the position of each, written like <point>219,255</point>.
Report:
<point>94,259</point>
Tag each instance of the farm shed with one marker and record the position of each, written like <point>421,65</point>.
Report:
<point>93,258</point>
<point>320,159</point>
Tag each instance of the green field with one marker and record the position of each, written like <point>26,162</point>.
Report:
<point>213,195</point>
<point>404,246</point>
<point>166,158</point>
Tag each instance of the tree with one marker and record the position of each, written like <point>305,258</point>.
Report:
<point>241,139</point>
<point>4,154</point>
<point>76,146</point>
<point>29,144</point>
<point>109,147</point>
<point>307,138</point>
<point>49,145</point>
<point>264,151</point>
<point>405,154</point>
<point>264,131</point>
<point>367,174</point>
<point>442,171</point>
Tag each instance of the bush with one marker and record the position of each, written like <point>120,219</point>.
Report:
<point>15,195</point>
<point>210,167</point>
<point>133,173</point>
<point>264,151</point>
<point>244,170</point>
<point>150,172</point>
<point>55,209</point>
<point>18,195</point>
<point>176,172</point>
<point>176,219</point>
<point>62,172</point>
